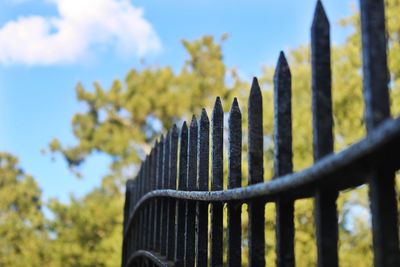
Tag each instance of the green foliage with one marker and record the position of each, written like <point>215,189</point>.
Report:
<point>89,230</point>
<point>22,226</point>
<point>122,121</point>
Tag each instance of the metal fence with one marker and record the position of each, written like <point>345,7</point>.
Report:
<point>166,221</point>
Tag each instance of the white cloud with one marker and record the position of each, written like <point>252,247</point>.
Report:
<point>80,28</point>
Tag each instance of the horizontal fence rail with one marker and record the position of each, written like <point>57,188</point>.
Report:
<point>167,206</point>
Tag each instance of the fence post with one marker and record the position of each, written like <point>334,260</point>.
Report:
<point>158,220</point>
<point>217,173</point>
<point>256,175</point>
<point>191,186</point>
<point>164,201</point>
<point>153,202</point>
<point>377,108</point>
<point>283,161</point>
<point>325,199</point>
<point>202,185</point>
<point>172,185</point>
<point>234,233</point>
<point>181,204</point>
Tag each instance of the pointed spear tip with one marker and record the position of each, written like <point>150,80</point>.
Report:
<point>217,106</point>
<point>235,106</point>
<point>235,102</point>
<point>255,88</point>
<point>320,16</point>
<point>282,57</point>
<point>184,128</point>
<point>193,123</point>
<point>184,124</point>
<point>218,101</point>
<point>174,131</point>
<point>204,116</point>
<point>167,135</point>
<point>282,66</point>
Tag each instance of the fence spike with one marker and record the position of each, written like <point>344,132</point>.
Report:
<point>153,214</point>
<point>325,199</point>
<point>172,185</point>
<point>202,185</point>
<point>382,183</point>
<point>191,186</point>
<point>133,237</point>
<point>126,218</point>
<point>181,205</point>
<point>283,118</point>
<point>321,84</point>
<point>283,161</point>
<point>216,256</point>
<point>164,201</point>
<point>234,232</point>
<point>146,208</point>
<point>183,156</point>
<point>159,186</point>
<point>256,175</point>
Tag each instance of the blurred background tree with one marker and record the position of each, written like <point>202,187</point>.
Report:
<point>124,121</point>
<point>23,231</point>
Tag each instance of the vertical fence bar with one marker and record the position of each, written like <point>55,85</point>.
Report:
<point>153,187</point>
<point>191,186</point>
<point>181,204</point>
<point>217,184</point>
<point>140,226</point>
<point>377,108</point>
<point>134,227</point>
<point>256,175</point>
<point>234,233</point>
<point>283,161</point>
<point>133,204</point>
<point>158,201</point>
<point>202,185</point>
<point>164,201</point>
<point>149,204</point>
<point>172,185</point>
<point>131,234</point>
<point>136,230</point>
<point>326,220</point>
<point>146,206</point>
<point>125,243</point>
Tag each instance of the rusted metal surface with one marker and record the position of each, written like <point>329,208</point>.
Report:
<point>217,174</point>
<point>202,185</point>
<point>256,175</point>
<point>283,162</point>
<point>234,231</point>
<point>325,213</point>
<point>383,203</point>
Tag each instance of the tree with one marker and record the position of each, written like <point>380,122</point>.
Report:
<point>23,232</point>
<point>88,230</point>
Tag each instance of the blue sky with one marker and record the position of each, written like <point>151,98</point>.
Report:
<point>47,46</point>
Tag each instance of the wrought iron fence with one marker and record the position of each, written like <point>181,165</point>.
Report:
<point>166,220</point>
